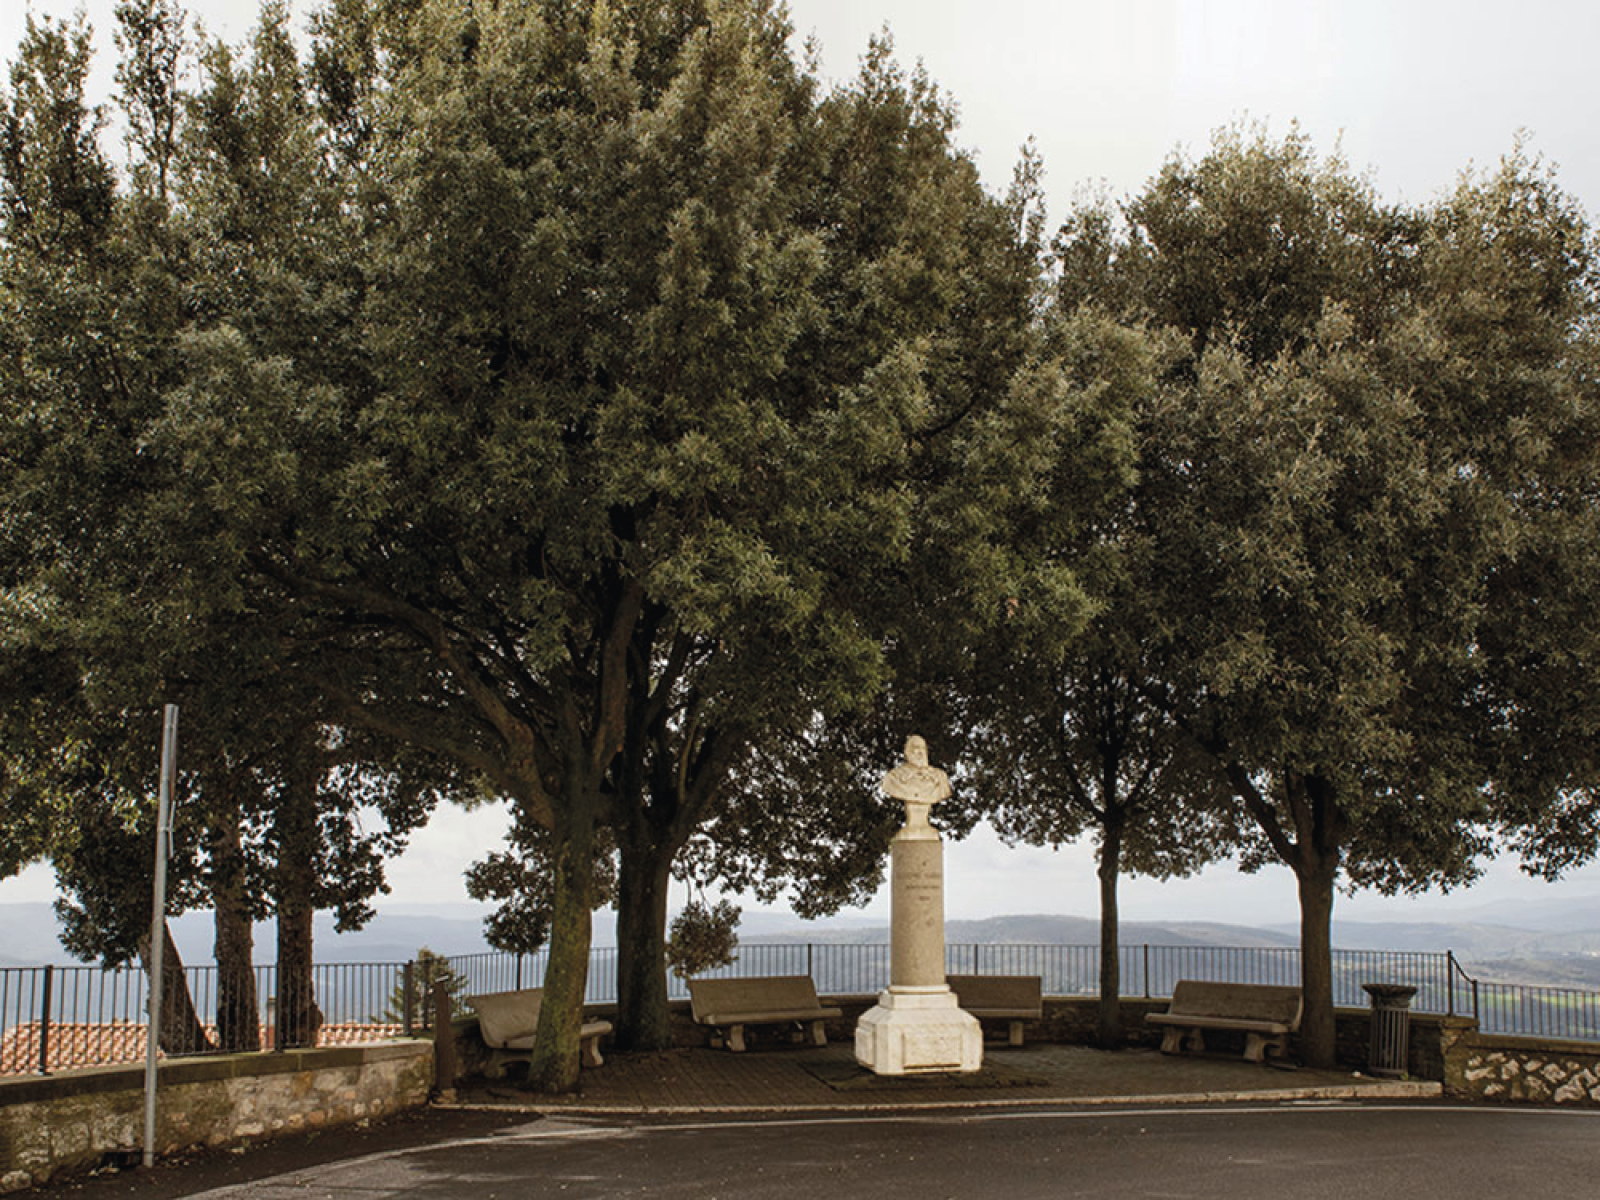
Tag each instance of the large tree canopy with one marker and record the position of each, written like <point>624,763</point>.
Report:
<point>1379,457</point>
<point>580,396</point>
<point>547,386</point>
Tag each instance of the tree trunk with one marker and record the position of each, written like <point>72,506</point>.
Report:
<point>297,1016</point>
<point>1109,1024</point>
<point>1317,1030</point>
<point>178,1028</point>
<point>298,1019</point>
<point>238,1016</point>
<point>238,1011</point>
<point>554,1065</point>
<point>643,1022</point>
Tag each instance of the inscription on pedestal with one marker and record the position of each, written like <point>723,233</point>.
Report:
<point>930,1050</point>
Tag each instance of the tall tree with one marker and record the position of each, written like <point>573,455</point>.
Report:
<point>101,281</point>
<point>546,384</point>
<point>1348,480</point>
<point>1064,737</point>
<point>877,180</point>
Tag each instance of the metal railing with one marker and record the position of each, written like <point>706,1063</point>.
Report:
<point>56,1017</point>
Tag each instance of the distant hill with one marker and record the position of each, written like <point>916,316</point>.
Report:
<point>1034,930</point>
<point>1568,956</point>
<point>1562,951</point>
<point>29,936</point>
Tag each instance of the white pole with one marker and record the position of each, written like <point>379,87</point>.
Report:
<point>158,925</point>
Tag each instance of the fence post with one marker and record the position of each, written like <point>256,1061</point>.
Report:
<point>408,983</point>
<point>444,1044</point>
<point>44,1022</point>
<point>1147,970</point>
<point>809,969</point>
<point>1450,987</point>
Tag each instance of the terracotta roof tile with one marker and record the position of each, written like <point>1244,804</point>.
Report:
<point>109,1043</point>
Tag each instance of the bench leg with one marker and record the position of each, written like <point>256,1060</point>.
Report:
<point>589,1051</point>
<point>1014,1037</point>
<point>1257,1046</point>
<point>819,1033</point>
<point>735,1038</point>
<point>1171,1039</point>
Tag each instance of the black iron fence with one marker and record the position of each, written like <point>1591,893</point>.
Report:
<point>58,1017</point>
<point>1144,970</point>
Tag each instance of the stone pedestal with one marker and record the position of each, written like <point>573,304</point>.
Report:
<point>917,1026</point>
<point>912,1031</point>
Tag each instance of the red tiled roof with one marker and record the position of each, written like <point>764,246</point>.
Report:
<point>113,1042</point>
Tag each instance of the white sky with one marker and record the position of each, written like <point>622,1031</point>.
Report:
<point>1412,91</point>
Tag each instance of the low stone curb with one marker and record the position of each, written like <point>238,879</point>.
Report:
<point>1419,1089</point>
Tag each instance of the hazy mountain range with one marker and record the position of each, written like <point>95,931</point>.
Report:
<point>1549,942</point>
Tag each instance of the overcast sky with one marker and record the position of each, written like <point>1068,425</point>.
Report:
<point>1412,92</point>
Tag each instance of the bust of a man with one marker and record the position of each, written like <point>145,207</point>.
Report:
<point>917,784</point>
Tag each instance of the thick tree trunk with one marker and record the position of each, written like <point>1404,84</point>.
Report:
<point>554,1066</point>
<point>1109,1023</point>
<point>643,1022</point>
<point>1317,1028</point>
<point>238,1017</point>
<point>297,1016</point>
<point>298,1019</point>
<point>178,1027</point>
<point>238,1011</point>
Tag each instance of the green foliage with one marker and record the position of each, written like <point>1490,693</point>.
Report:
<point>546,388</point>
<point>428,972</point>
<point>1343,481</point>
<point>703,937</point>
<point>582,404</point>
<point>521,880</point>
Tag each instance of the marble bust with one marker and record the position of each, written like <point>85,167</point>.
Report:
<point>916,784</point>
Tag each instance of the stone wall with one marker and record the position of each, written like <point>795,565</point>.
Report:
<point>76,1120</point>
<point>1490,1067</point>
<point>1428,1044</point>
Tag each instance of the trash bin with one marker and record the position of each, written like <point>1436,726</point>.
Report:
<point>1391,1028</point>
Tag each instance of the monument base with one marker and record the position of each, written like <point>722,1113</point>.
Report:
<point>918,1031</point>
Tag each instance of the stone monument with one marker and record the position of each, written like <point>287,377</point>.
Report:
<point>917,1026</point>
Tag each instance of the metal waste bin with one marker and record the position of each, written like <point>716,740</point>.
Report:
<point>1391,1028</point>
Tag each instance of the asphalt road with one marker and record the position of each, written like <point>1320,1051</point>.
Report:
<point>1318,1151</point>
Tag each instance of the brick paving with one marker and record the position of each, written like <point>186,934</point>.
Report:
<point>787,1079</point>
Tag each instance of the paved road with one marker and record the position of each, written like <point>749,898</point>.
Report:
<point>1313,1151</point>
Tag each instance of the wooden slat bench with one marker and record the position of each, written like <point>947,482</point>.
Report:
<point>507,1021</point>
<point>731,1004</point>
<point>1010,998</point>
<point>1266,1014</point>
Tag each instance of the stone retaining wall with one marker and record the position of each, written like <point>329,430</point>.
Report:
<point>1490,1067</point>
<point>76,1120</point>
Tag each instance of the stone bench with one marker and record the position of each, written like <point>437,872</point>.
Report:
<point>507,1021</point>
<point>1010,998</point>
<point>1266,1014</point>
<point>731,1004</point>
